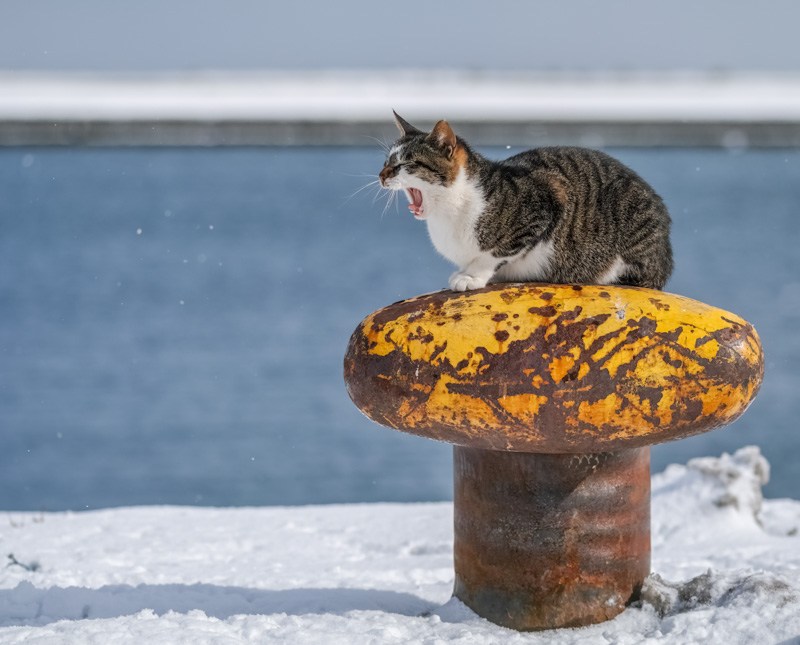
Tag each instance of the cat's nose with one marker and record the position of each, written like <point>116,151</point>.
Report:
<point>385,174</point>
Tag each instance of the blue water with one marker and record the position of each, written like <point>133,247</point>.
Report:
<point>173,321</point>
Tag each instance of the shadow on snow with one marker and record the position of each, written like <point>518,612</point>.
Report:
<point>27,605</point>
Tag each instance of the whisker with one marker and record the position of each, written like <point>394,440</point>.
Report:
<point>384,146</point>
<point>391,200</point>
<point>388,199</point>
<point>391,194</point>
<point>356,192</point>
<point>358,176</point>
<point>378,193</point>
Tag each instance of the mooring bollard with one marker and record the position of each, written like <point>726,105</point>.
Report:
<point>552,395</point>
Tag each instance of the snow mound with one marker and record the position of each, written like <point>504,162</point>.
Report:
<point>725,565</point>
<point>710,492</point>
<point>738,478</point>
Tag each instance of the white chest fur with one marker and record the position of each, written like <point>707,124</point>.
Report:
<point>452,213</point>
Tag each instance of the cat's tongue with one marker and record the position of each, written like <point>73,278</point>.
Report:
<point>416,202</point>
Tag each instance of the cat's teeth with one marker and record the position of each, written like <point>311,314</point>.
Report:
<point>414,196</point>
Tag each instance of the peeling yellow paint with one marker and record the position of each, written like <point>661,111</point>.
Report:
<point>523,406</point>
<point>612,363</point>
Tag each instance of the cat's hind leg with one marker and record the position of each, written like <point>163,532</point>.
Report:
<point>637,276</point>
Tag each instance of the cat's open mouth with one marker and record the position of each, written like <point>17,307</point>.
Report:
<point>415,202</point>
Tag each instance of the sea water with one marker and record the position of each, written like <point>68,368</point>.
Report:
<point>173,321</point>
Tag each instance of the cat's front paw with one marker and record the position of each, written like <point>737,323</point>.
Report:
<point>460,281</point>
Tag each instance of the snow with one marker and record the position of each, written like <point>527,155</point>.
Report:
<point>348,96</point>
<point>725,566</point>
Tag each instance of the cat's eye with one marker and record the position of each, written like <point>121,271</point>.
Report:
<point>402,164</point>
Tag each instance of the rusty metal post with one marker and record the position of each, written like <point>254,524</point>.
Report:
<point>545,541</point>
<point>552,395</point>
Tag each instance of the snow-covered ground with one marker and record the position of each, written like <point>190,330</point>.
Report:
<point>726,570</point>
<point>348,96</point>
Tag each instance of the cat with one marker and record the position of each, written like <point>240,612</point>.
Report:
<point>557,214</point>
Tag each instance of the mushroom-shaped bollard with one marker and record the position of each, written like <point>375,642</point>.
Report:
<point>552,395</point>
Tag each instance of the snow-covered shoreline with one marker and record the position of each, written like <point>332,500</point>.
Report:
<point>351,96</point>
<point>725,566</point>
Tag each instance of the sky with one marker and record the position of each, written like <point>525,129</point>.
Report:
<point>554,35</point>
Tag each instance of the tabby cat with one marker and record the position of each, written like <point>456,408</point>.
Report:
<point>565,215</point>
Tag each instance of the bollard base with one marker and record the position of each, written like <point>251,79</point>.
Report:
<point>547,541</point>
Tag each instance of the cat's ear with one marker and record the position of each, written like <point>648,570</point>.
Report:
<point>443,136</point>
<point>404,126</point>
